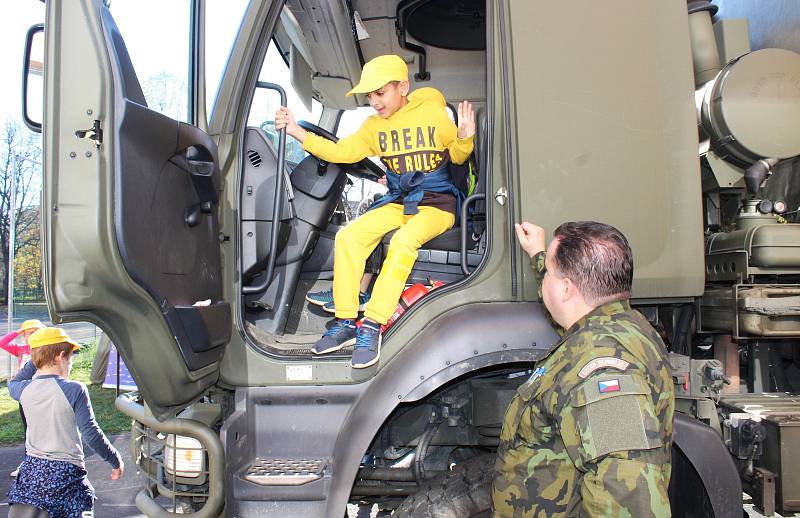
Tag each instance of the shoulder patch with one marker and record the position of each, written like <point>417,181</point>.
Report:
<point>602,363</point>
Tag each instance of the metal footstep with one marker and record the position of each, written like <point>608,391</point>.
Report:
<point>285,472</point>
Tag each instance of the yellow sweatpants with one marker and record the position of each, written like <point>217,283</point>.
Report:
<point>355,243</point>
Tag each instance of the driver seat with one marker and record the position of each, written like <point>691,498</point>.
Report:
<point>441,256</point>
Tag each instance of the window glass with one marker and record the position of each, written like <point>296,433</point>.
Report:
<point>266,103</point>
<point>223,19</point>
<point>351,120</point>
<point>156,34</point>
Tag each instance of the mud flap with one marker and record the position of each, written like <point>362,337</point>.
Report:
<point>705,481</point>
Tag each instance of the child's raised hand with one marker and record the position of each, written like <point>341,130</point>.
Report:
<point>466,120</point>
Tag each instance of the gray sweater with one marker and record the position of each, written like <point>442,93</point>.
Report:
<point>59,417</point>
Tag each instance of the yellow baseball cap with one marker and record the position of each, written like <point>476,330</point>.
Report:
<point>377,72</point>
<point>50,336</point>
<point>30,324</point>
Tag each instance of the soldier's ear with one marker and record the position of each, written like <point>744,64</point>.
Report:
<point>567,289</point>
<point>575,294</point>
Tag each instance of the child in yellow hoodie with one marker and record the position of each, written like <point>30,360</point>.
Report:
<point>416,140</point>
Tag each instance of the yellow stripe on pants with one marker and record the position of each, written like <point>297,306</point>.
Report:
<point>355,243</point>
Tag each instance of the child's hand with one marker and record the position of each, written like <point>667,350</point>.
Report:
<point>466,120</point>
<point>284,118</point>
<point>116,474</point>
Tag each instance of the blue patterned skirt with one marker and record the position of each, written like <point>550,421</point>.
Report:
<point>58,487</point>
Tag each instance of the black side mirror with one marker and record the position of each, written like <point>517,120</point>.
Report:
<point>33,78</point>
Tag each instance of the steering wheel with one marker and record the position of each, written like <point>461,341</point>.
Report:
<point>364,167</point>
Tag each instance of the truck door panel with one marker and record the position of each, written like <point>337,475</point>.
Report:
<point>133,231</point>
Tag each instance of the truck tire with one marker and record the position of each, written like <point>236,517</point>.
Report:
<point>464,492</point>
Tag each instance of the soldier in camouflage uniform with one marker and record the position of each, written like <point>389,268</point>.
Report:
<point>590,433</point>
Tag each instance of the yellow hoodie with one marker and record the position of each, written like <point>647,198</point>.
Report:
<point>418,137</point>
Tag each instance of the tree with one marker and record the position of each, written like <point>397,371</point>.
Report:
<point>28,259</point>
<point>20,158</point>
<point>166,93</point>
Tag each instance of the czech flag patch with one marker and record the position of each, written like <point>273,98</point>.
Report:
<point>608,386</point>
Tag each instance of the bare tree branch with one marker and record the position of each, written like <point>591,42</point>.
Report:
<point>20,159</point>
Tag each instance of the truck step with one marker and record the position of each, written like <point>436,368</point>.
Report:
<point>285,472</point>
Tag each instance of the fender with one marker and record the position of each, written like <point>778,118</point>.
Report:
<point>702,455</point>
<point>461,341</point>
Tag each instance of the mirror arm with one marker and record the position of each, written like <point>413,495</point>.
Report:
<point>26,66</point>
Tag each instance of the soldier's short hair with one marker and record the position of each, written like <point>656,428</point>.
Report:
<point>597,258</point>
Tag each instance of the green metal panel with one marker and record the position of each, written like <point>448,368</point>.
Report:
<point>606,129</point>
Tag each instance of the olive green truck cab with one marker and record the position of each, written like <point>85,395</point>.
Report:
<point>193,242</point>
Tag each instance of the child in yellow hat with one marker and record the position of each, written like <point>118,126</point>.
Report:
<point>60,418</point>
<point>20,350</point>
<point>416,140</point>
<point>23,353</point>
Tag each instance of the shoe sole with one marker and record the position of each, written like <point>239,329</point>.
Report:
<point>332,311</point>
<point>372,361</point>
<point>315,302</point>
<point>334,349</point>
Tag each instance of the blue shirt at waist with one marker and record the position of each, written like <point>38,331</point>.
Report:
<point>412,186</point>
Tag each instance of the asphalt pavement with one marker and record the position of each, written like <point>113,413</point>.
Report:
<point>114,497</point>
<point>79,331</point>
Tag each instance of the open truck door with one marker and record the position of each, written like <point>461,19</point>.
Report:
<point>130,212</point>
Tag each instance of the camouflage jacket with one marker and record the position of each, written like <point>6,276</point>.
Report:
<point>590,433</point>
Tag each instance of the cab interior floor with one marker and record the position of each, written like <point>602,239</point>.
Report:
<point>298,344</point>
<point>305,326</point>
<point>305,318</point>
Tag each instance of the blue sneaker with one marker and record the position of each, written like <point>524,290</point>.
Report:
<point>341,334</point>
<point>320,298</point>
<point>363,298</point>
<point>368,345</point>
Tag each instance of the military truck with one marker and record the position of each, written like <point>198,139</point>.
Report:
<point>192,239</point>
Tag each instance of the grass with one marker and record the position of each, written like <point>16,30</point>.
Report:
<point>111,421</point>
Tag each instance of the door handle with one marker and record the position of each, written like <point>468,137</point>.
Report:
<point>501,195</point>
<point>200,166</point>
<point>199,163</point>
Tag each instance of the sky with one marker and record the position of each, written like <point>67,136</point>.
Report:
<point>14,23</point>
<point>154,39</point>
<point>155,32</point>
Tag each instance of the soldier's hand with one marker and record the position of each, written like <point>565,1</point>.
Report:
<point>466,120</point>
<point>530,237</point>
